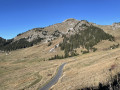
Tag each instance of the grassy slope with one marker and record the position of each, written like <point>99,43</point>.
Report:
<point>90,69</point>
<point>27,73</point>
<point>26,68</point>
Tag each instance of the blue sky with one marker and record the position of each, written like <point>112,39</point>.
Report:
<point>17,16</point>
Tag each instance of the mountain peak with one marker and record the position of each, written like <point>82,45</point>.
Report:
<point>70,19</point>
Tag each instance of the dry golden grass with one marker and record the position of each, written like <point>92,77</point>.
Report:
<point>37,51</point>
<point>88,70</point>
<point>29,68</point>
<point>26,74</point>
<point>32,72</point>
<point>104,45</point>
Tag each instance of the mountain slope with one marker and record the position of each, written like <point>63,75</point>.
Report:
<point>29,68</point>
<point>46,34</point>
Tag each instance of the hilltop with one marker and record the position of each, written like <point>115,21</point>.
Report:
<point>30,60</point>
<point>87,33</point>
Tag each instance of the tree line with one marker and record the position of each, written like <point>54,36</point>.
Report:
<point>9,45</point>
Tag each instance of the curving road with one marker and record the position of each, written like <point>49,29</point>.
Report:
<point>54,79</point>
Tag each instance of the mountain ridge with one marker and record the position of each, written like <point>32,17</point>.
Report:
<point>69,21</point>
<point>91,50</point>
<point>71,35</point>
<point>48,34</point>
<point>63,27</point>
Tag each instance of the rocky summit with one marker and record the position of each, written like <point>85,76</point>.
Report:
<point>77,54</point>
<point>48,34</point>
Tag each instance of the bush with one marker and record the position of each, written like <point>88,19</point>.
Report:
<point>114,46</point>
<point>49,44</point>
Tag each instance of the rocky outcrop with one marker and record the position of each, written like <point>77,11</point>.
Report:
<point>38,33</point>
<point>81,25</point>
<point>44,35</point>
<point>69,26</point>
<point>48,33</point>
<point>115,26</point>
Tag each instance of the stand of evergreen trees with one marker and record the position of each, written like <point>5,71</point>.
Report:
<point>85,38</point>
<point>62,57</point>
<point>56,57</point>
<point>9,45</point>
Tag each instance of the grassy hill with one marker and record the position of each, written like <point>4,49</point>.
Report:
<point>30,68</point>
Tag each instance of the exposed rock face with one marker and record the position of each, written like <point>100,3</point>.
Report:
<point>81,25</point>
<point>31,34</point>
<point>53,49</point>
<point>56,33</point>
<point>69,26</point>
<point>44,32</point>
<point>36,33</point>
<point>115,26</point>
<point>48,33</point>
